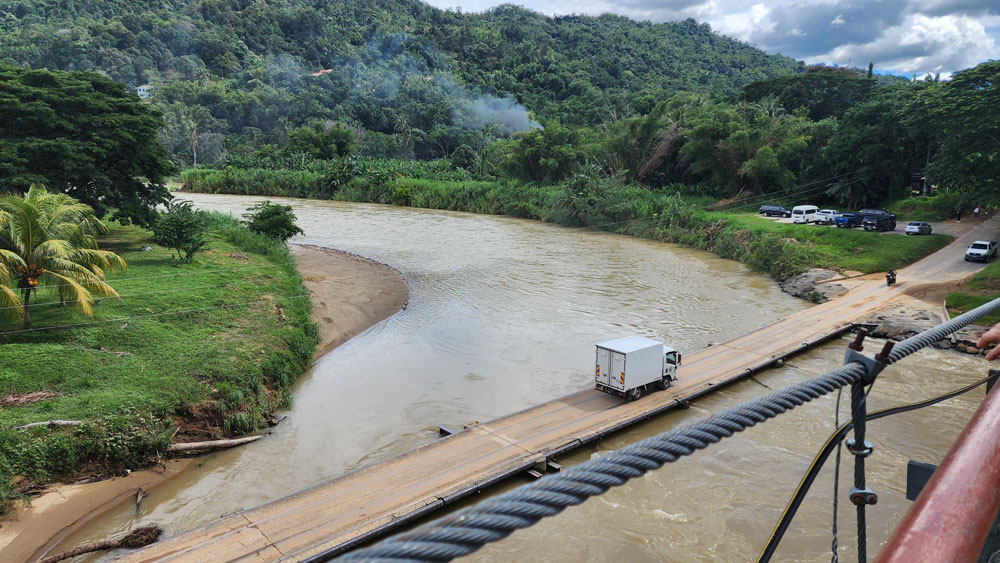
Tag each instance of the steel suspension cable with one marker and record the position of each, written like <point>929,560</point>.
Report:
<point>469,529</point>
<point>932,335</point>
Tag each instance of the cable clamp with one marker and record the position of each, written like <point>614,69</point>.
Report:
<point>873,366</point>
<point>864,451</point>
<point>863,496</point>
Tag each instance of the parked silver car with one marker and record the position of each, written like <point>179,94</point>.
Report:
<point>918,228</point>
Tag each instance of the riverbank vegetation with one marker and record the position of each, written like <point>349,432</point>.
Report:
<point>978,290</point>
<point>780,250</point>
<point>189,351</point>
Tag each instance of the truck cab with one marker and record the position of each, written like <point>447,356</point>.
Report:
<point>630,366</point>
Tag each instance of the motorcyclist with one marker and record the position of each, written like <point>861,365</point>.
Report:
<point>890,277</point>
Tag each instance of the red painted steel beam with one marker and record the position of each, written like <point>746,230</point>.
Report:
<point>952,517</point>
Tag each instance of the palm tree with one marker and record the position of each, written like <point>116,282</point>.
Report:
<point>48,240</point>
<point>10,303</point>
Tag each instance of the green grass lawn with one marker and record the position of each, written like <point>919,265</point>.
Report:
<point>218,340</point>
<point>958,303</point>
<point>982,288</point>
<point>846,249</point>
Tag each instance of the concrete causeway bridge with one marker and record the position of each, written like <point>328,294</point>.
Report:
<point>341,513</point>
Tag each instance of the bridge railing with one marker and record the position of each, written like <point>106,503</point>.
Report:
<point>953,516</point>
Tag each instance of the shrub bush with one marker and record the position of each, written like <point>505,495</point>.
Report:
<point>181,228</point>
<point>272,220</point>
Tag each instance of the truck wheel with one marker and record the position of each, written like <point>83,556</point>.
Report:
<point>635,394</point>
<point>663,383</point>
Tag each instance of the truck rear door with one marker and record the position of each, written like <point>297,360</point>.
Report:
<point>603,369</point>
<point>617,371</point>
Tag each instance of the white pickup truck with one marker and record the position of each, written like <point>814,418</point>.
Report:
<point>826,216</point>
<point>981,250</point>
<point>627,367</point>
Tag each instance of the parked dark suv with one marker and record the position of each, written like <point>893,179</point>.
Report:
<point>771,210</point>
<point>877,220</point>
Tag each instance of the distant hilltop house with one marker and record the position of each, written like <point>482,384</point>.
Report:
<point>144,91</point>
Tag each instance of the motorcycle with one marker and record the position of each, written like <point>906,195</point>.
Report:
<point>890,278</point>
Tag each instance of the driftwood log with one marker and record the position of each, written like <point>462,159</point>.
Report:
<point>211,445</point>
<point>139,537</point>
<point>51,423</point>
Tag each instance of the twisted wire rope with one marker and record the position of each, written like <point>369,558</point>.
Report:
<point>858,400</point>
<point>939,332</point>
<point>467,530</point>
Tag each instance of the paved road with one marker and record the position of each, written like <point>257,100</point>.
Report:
<point>345,509</point>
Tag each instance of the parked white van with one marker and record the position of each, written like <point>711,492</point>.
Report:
<point>804,213</point>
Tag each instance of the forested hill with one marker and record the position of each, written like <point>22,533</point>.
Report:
<point>243,67</point>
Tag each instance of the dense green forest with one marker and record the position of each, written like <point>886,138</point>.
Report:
<point>312,96</point>
<point>410,80</point>
<point>873,143</point>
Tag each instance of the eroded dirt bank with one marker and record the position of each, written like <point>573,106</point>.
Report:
<point>349,293</point>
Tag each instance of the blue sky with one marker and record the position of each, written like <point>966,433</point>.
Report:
<point>903,37</point>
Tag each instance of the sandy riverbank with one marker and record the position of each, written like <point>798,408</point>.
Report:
<point>349,293</point>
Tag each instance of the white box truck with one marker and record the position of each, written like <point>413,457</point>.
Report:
<point>628,366</point>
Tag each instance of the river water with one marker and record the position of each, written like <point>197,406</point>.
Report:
<point>503,315</point>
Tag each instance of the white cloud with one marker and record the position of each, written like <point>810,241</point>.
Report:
<point>920,45</point>
<point>907,36</point>
<point>745,25</point>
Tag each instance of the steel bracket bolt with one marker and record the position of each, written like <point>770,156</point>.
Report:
<point>863,496</point>
<point>873,366</point>
<point>860,452</point>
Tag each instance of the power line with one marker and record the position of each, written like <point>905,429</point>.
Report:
<point>744,202</point>
<point>814,182</point>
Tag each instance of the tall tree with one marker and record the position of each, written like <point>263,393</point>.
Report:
<point>84,135</point>
<point>872,153</point>
<point>965,112</point>
<point>822,91</point>
<point>48,240</point>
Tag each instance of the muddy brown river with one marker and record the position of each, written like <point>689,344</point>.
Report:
<point>503,315</point>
